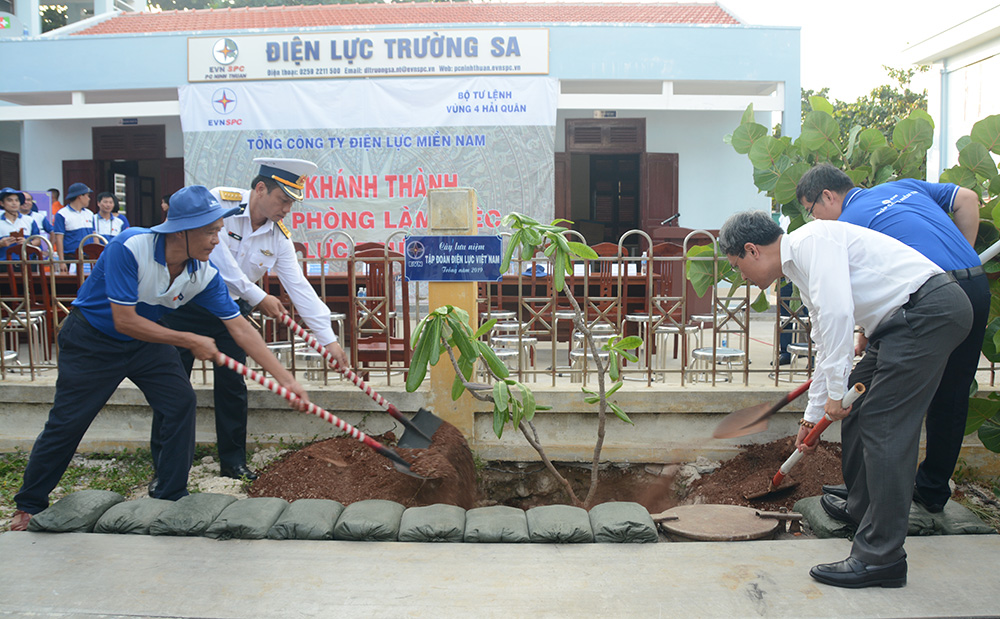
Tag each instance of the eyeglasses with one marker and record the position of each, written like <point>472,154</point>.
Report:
<point>813,205</point>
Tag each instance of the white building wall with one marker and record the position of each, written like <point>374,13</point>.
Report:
<point>53,141</point>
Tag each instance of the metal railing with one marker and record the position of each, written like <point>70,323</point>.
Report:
<point>717,338</point>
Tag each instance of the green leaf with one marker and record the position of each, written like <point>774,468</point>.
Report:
<point>820,104</point>
<point>418,330</point>
<point>976,157</point>
<point>628,343</point>
<point>962,142</point>
<point>559,272</point>
<point>613,367</point>
<point>614,388</point>
<point>871,139</point>
<point>917,113</point>
<point>484,329</point>
<point>912,134</point>
<point>582,250</point>
<point>418,365</point>
<point>496,366</point>
<point>765,152</point>
<point>784,189</point>
<point>821,135</point>
<point>858,175</point>
<point>460,338</point>
<point>989,434</point>
<point>990,343</point>
<point>512,243</point>
<point>501,394</point>
<point>746,135</point>
<point>748,116</point>
<point>760,304</point>
<point>700,272</point>
<point>852,140</point>
<point>619,412</point>
<point>457,388</point>
<point>434,344</point>
<point>987,133</point>
<point>499,419</point>
<point>528,401</point>
<point>980,410</point>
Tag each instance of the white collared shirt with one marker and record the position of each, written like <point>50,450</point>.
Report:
<point>243,255</point>
<point>847,275</point>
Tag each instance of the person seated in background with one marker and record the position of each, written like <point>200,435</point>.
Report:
<point>165,204</point>
<point>14,227</point>
<point>108,223</point>
<point>30,209</point>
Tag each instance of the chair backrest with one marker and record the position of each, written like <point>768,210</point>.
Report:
<point>376,271</point>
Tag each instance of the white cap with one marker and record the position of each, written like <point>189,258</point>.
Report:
<point>290,174</point>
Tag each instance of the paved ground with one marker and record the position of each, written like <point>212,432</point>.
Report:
<point>87,575</point>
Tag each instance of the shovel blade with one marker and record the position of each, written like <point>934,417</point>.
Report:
<point>426,424</point>
<point>786,484</point>
<point>743,422</point>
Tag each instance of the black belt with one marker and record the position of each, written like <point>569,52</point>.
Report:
<point>968,273</point>
<point>932,284</point>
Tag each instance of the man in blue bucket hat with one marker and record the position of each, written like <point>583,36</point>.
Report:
<point>113,333</point>
<point>71,225</point>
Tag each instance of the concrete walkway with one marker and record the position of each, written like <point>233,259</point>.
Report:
<point>84,575</point>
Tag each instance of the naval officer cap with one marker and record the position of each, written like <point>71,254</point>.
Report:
<point>290,174</point>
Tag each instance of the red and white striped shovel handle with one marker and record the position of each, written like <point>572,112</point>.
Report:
<point>347,372</point>
<point>224,360</point>
<point>813,435</point>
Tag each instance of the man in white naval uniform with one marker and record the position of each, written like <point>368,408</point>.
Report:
<point>252,242</point>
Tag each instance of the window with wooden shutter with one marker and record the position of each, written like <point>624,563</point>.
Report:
<point>606,135</point>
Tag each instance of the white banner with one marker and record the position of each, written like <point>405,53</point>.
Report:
<point>380,145</point>
<point>390,53</point>
<point>409,103</point>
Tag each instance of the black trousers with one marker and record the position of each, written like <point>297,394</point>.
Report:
<point>91,366</point>
<point>230,392</point>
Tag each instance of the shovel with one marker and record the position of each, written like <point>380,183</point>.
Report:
<point>401,465</point>
<point>811,439</point>
<point>754,419</point>
<point>418,432</point>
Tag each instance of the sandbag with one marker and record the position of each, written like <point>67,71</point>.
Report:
<point>820,522</point>
<point>433,523</point>
<point>496,524</point>
<point>307,519</point>
<point>957,519</point>
<point>623,522</point>
<point>76,512</point>
<point>559,524</point>
<point>374,520</point>
<point>191,515</point>
<point>247,519</point>
<point>132,516</point>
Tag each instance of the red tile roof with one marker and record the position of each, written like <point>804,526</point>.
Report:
<point>412,13</point>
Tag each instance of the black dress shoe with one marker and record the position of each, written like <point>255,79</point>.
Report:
<point>153,486</point>
<point>240,471</point>
<point>839,491</point>
<point>836,507</point>
<point>934,508</point>
<point>854,574</point>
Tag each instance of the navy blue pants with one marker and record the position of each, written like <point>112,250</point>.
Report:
<point>91,366</point>
<point>230,389</point>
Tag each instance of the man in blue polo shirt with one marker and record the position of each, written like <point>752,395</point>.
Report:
<point>113,334</point>
<point>915,212</point>
<point>72,223</point>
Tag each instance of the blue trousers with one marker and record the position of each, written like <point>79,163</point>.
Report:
<point>91,366</point>
<point>230,389</point>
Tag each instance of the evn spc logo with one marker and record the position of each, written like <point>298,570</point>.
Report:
<point>224,102</point>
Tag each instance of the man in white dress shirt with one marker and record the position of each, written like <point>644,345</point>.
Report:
<point>914,315</point>
<point>252,242</point>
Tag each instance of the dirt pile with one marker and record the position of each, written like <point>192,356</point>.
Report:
<point>751,472</point>
<point>345,470</point>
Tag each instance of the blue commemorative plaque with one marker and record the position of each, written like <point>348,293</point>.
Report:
<point>453,258</point>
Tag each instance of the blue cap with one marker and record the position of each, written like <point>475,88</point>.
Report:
<point>75,191</point>
<point>192,207</point>
<point>9,191</point>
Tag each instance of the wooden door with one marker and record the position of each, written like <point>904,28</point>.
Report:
<point>84,171</point>
<point>659,195</point>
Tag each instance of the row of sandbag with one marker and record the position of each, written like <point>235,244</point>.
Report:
<point>221,516</point>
